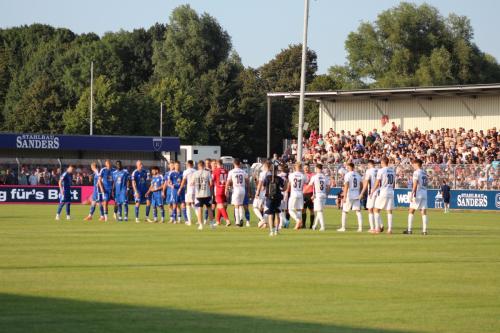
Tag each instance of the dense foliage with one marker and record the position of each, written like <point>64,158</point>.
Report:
<point>209,96</point>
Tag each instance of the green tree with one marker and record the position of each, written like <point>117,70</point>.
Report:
<point>415,45</point>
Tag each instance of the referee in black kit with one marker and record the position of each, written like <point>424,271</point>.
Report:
<point>445,192</point>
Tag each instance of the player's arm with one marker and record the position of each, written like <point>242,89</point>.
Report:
<point>61,184</point>
<point>345,189</point>
<point>365,188</point>
<point>288,187</point>
<point>100,184</point>
<point>228,183</point>
<point>134,185</point>
<point>414,188</point>
<point>183,183</point>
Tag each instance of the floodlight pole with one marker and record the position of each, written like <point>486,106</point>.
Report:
<point>161,119</point>
<point>92,98</point>
<point>302,82</point>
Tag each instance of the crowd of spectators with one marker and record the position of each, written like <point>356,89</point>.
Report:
<point>41,175</point>
<point>467,159</point>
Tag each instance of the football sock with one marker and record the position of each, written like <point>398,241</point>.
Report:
<point>247,214</point>
<point>410,221</point>
<point>424,223</point>
<point>188,214</point>
<point>68,208</point>
<point>389,222</point>
<point>376,220</point>
<point>294,215</point>
<point>92,210</point>
<point>237,215</point>
<point>101,210</point>
<point>119,210</point>
<point>242,214</point>
<point>59,208</point>
<point>174,214</point>
<point>206,214</point>
<point>257,213</point>
<point>148,208</point>
<point>344,218</point>
<point>162,209</point>
<point>360,219</point>
<point>125,208</point>
<point>304,217</point>
<point>184,213</point>
<point>311,220</point>
<point>224,213</point>
<point>370,221</point>
<point>321,219</point>
<point>136,212</point>
<point>217,215</point>
<point>155,212</point>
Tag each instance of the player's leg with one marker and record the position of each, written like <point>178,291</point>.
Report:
<point>370,219</point>
<point>376,220</point>
<point>346,207</point>
<point>118,210</point>
<point>425,221</point>
<point>411,212</point>
<point>247,215</point>
<point>91,211</point>
<point>389,221</point>
<point>356,206</point>
<point>319,213</point>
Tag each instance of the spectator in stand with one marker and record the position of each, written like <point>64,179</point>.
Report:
<point>33,179</point>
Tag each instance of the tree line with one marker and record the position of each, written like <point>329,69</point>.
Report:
<point>209,97</point>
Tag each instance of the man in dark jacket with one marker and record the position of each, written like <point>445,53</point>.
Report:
<point>446,193</point>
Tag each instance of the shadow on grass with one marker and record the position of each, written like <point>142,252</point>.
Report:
<point>43,314</point>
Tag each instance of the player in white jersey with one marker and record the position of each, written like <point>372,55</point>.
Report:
<point>386,178</point>
<point>418,198</point>
<point>368,184</point>
<point>238,180</point>
<point>352,188</point>
<point>296,182</point>
<point>321,186</point>
<point>190,189</point>
<point>260,194</point>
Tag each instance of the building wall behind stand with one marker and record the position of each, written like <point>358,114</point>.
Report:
<point>445,112</point>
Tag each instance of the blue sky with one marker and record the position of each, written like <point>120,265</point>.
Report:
<point>259,28</point>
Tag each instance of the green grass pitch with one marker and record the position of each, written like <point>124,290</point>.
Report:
<point>123,277</point>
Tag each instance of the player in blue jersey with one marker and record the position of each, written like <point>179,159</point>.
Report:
<point>167,191</point>
<point>96,195</point>
<point>140,178</point>
<point>65,192</point>
<point>106,185</point>
<point>156,192</point>
<point>176,196</point>
<point>120,190</point>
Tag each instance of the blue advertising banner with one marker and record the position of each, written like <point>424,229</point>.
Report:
<point>460,199</point>
<point>87,142</point>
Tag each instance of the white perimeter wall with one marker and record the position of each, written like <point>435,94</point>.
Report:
<point>445,112</point>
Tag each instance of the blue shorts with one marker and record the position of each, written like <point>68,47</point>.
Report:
<point>65,197</point>
<point>142,198</point>
<point>96,196</point>
<point>156,200</point>
<point>175,198</point>
<point>121,197</point>
<point>106,195</point>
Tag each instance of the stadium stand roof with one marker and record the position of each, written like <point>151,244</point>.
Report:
<point>382,93</point>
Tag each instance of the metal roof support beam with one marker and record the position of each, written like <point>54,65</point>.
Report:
<point>468,107</point>
<point>427,113</point>
<point>268,139</point>
<point>378,108</point>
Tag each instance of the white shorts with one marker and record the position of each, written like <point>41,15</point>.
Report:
<point>419,203</point>
<point>296,203</point>
<point>349,204</point>
<point>237,198</point>
<point>189,198</point>
<point>319,203</point>
<point>370,201</point>
<point>384,203</point>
